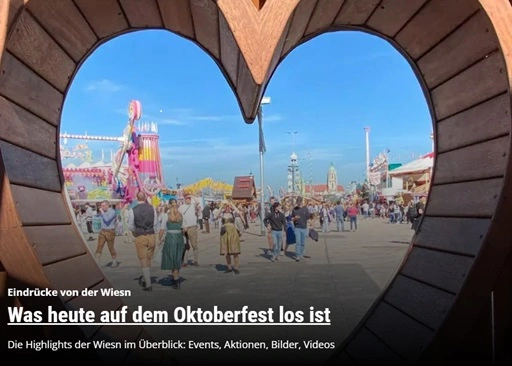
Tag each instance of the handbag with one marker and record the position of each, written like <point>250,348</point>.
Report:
<point>222,230</point>
<point>313,234</point>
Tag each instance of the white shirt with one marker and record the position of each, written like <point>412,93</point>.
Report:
<point>131,224</point>
<point>189,215</point>
<point>88,214</point>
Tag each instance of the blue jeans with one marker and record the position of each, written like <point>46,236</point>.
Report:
<point>325,225</point>
<point>340,224</point>
<point>277,239</point>
<point>353,222</point>
<point>300,241</point>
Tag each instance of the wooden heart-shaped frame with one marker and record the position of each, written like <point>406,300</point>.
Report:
<point>457,272</point>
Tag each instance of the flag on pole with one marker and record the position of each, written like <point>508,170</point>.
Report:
<point>262,138</point>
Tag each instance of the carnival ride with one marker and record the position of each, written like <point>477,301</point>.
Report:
<point>135,166</point>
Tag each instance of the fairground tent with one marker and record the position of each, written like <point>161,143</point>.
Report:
<point>418,166</point>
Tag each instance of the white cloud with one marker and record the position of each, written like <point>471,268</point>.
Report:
<point>272,118</point>
<point>214,118</point>
<point>213,152</point>
<point>104,85</point>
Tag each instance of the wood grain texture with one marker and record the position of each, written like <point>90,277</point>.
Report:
<point>30,169</point>
<point>434,22</point>
<point>142,13</point>
<point>36,49</point>
<point>474,199</point>
<point>27,126</point>
<point>12,10</point>
<point>34,205</point>
<point>443,270</point>
<point>67,26</point>
<point>229,52</point>
<point>85,265</point>
<point>299,22</point>
<point>482,81</point>
<point>482,122</point>
<point>355,12</point>
<point>105,16</point>
<point>177,17</point>
<point>399,331</point>
<point>205,16</point>
<point>259,33</point>
<point>21,85</point>
<point>357,348</point>
<point>419,301</point>
<point>491,158</point>
<point>391,15</point>
<point>459,235</point>
<point>458,51</point>
<point>247,89</point>
<point>55,243</point>
<point>323,15</point>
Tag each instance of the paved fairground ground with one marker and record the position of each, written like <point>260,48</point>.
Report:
<point>343,271</point>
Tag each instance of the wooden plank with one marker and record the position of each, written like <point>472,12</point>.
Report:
<point>459,50</point>
<point>323,15</point>
<point>35,48</point>
<point>299,22</point>
<point>30,169</point>
<point>105,16</point>
<point>247,89</point>
<point>391,15</point>
<point>112,333</point>
<point>21,85</point>
<point>481,81</point>
<point>402,333</point>
<point>142,13</point>
<point>459,235</point>
<point>442,270</point>
<point>474,199</point>
<point>422,302</point>
<point>229,51</point>
<point>491,158</point>
<point>55,243</point>
<point>26,126</point>
<point>15,9</point>
<point>66,25</point>
<point>205,16</point>
<point>97,304</point>
<point>84,271</point>
<point>38,207</point>
<point>482,122</point>
<point>277,54</point>
<point>355,12</point>
<point>177,17</point>
<point>434,22</point>
<point>364,341</point>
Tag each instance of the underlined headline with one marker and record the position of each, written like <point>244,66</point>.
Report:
<point>179,316</point>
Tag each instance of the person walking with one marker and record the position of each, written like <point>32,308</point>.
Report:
<point>190,212</point>
<point>300,216</point>
<point>174,244</point>
<point>142,223</point>
<point>108,232</point>
<point>276,224</point>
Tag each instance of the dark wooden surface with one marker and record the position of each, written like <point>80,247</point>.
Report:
<point>457,49</point>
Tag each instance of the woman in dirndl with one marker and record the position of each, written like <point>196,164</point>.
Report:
<point>174,244</point>
<point>229,238</point>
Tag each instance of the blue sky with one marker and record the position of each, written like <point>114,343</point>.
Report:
<point>327,90</point>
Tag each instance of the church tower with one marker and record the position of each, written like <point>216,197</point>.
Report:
<point>332,180</point>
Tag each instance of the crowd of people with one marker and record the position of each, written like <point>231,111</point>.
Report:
<point>167,234</point>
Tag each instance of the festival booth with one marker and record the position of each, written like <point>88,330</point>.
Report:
<point>244,189</point>
<point>416,174</point>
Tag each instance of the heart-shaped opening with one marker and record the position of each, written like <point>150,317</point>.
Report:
<point>451,274</point>
<point>324,280</point>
